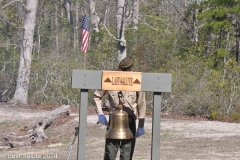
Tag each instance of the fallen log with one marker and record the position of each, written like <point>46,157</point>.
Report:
<point>36,129</point>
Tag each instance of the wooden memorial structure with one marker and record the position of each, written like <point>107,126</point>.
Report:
<point>120,81</point>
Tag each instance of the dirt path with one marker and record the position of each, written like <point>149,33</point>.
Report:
<point>179,139</point>
<point>15,113</point>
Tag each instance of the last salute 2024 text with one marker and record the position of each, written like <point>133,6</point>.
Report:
<point>32,156</point>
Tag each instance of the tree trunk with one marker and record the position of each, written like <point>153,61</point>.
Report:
<point>186,3</point>
<point>69,15</point>
<point>56,30</point>
<point>106,13</point>
<point>20,14</point>
<point>36,129</point>
<point>94,17</point>
<point>21,92</point>
<point>76,33</point>
<point>237,42</point>
<point>238,49</point>
<point>135,14</point>
<point>122,53</point>
<point>67,6</point>
<point>195,25</point>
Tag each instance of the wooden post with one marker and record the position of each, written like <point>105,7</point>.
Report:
<point>155,153</point>
<point>82,124</point>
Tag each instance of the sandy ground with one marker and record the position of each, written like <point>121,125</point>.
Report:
<point>179,139</point>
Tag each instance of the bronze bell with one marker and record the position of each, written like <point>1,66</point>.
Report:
<point>119,126</point>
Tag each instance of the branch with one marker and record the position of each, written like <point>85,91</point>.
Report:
<point>149,26</point>
<point>157,18</point>
<point>111,34</point>
<point>178,12</point>
<point>13,2</point>
<point>175,8</point>
<point>201,26</point>
<point>13,24</point>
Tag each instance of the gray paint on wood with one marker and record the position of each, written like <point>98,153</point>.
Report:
<point>155,152</point>
<point>86,79</point>
<point>91,79</point>
<point>156,82</point>
<point>82,124</point>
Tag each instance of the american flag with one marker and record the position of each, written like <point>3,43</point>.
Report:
<point>84,34</point>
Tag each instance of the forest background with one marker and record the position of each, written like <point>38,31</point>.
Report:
<point>196,41</point>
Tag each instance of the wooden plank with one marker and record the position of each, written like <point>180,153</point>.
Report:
<point>91,79</point>
<point>86,79</point>
<point>156,82</point>
<point>121,81</point>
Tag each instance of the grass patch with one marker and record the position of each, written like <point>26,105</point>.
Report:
<point>3,123</point>
<point>8,124</point>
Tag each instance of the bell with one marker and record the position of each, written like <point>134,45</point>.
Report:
<point>119,126</point>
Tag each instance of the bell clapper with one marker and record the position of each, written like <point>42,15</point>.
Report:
<point>121,101</point>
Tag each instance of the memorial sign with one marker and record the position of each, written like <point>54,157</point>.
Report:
<point>124,81</point>
<point>120,81</point>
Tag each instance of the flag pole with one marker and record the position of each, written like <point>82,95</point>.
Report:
<point>85,58</point>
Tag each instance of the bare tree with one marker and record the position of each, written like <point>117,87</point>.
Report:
<point>94,17</point>
<point>122,53</point>
<point>195,24</point>
<point>67,6</point>
<point>127,13</point>
<point>237,40</point>
<point>56,30</point>
<point>106,12</point>
<point>135,13</point>
<point>76,32</point>
<point>21,92</point>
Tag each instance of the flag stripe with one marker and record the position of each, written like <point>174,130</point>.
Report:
<point>85,43</point>
<point>84,34</point>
